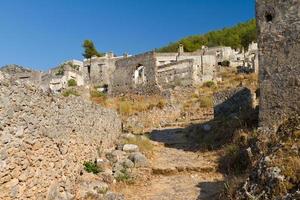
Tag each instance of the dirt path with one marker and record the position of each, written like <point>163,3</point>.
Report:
<point>178,171</point>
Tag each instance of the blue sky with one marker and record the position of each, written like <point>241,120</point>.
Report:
<point>43,33</point>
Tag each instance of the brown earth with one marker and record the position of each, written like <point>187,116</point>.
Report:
<point>177,171</point>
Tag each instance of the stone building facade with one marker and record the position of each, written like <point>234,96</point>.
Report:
<point>135,74</point>
<point>152,72</point>
<point>279,73</point>
<point>184,68</point>
<point>57,78</point>
<point>98,70</point>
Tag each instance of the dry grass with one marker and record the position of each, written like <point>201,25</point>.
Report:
<point>232,79</point>
<point>287,157</point>
<point>131,104</point>
<point>206,101</point>
<point>143,143</point>
<point>70,92</point>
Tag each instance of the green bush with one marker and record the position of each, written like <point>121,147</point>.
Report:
<point>72,83</point>
<point>70,92</point>
<point>92,167</point>
<point>60,71</point>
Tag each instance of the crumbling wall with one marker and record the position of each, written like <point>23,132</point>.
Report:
<point>279,54</point>
<point>233,102</point>
<point>123,78</point>
<point>208,68</point>
<point>98,70</point>
<point>180,73</point>
<point>22,74</point>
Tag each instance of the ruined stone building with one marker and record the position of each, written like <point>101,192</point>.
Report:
<point>152,72</point>
<point>57,78</point>
<point>222,53</point>
<point>184,68</point>
<point>279,56</point>
<point>98,71</point>
<point>22,74</point>
<point>237,58</point>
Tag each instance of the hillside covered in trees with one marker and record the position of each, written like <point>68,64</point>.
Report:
<point>236,37</point>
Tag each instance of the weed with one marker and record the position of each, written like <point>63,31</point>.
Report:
<point>72,83</point>
<point>92,167</point>
<point>70,92</point>
<point>125,177</point>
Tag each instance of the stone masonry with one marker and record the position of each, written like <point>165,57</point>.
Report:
<point>279,47</point>
<point>135,74</point>
<point>44,141</point>
<point>153,72</point>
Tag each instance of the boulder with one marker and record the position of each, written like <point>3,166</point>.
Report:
<point>129,148</point>
<point>138,159</point>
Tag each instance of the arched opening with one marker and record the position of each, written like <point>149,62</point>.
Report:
<point>139,75</point>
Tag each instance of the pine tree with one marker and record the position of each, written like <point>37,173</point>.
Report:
<point>90,49</point>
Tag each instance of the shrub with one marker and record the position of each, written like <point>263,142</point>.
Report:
<point>72,83</point>
<point>234,161</point>
<point>125,177</point>
<point>125,108</point>
<point>225,63</point>
<point>209,84</point>
<point>92,167</point>
<point>160,104</point>
<point>206,101</point>
<point>95,94</point>
<point>70,92</point>
<point>60,71</point>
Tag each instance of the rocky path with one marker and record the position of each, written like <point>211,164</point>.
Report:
<point>178,171</point>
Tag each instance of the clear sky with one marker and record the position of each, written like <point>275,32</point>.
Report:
<point>43,33</point>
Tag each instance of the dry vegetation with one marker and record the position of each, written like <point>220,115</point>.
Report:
<point>143,143</point>
<point>128,105</point>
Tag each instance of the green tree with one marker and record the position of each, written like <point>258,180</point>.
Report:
<point>236,37</point>
<point>90,49</point>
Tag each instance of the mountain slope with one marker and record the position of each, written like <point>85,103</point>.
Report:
<point>238,36</point>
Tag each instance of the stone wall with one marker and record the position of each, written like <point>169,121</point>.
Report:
<point>208,68</point>
<point>233,102</point>
<point>45,140</point>
<point>22,74</point>
<point>178,73</point>
<point>123,78</point>
<point>98,70</point>
<point>279,74</point>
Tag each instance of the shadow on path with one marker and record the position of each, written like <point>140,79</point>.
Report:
<point>210,190</point>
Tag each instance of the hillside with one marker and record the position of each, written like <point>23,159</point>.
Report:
<point>238,36</point>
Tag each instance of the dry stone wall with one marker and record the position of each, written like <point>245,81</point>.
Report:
<point>44,141</point>
<point>233,102</point>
